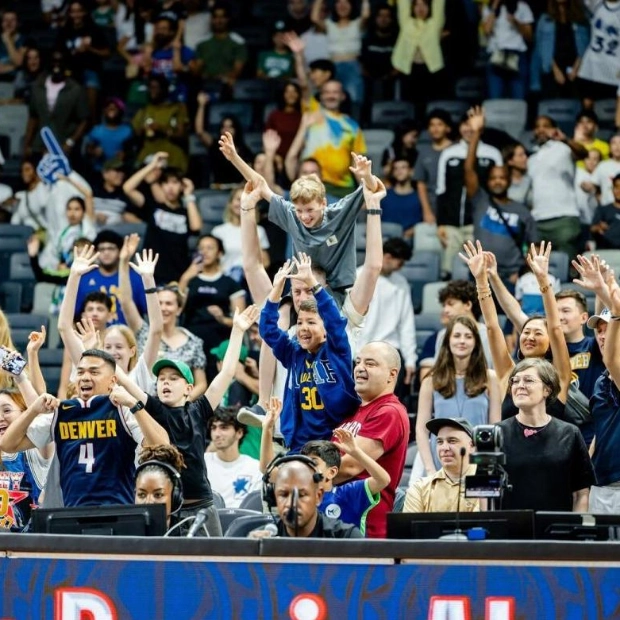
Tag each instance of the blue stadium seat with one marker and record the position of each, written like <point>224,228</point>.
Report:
<point>470,88</point>
<point>430,300</point>
<point>8,247</point>
<point>606,111</point>
<point>562,111</point>
<point>20,231</point>
<point>421,268</point>
<point>242,110</point>
<point>21,326</point>
<point>388,114</point>
<point>11,297</point>
<point>454,107</point>
<point>558,265</point>
<point>254,90</point>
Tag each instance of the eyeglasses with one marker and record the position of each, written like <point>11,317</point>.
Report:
<point>526,381</point>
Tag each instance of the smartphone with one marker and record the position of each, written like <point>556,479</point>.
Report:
<point>197,258</point>
<point>11,361</point>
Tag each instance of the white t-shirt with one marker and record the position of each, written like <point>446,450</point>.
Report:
<point>5,192</point>
<point>126,28</point>
<point>233,480</point>
<point>505,36</point>
<point>586,202</point>
<point>231,238</point>
<point>316,44</point>
<point>346,41</point>
<point>552,170</point>
<point>37,204</point>
<point>603,175</point>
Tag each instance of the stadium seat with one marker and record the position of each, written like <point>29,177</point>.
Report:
<point>42,297</point>
<point>428,321</point>
<point>507,114</point>
<point>21,271</point>
<point>253,90</point>
<point>606,111</point>
<point>421,268</point>
<point>196,146</point>
<point>20,231</point>
<point>13,121</point>
<point>228,515</point>
<point>129,228</point>
<point>211,205</point>
<point>50,361</point>
<point>218,500</point>
<point>425,238</point>
<point>242,526</point>
<point>612,257</point>
<point>430,300</point>
<point>11,297</point>
<point>243,111</point>
<point>254,141</point>
<point>21,326</point>
<point>390,113</point>
<point>253,501</point>
<point>391,229</point>
<point>8,247</point>
<point>268,108</point>
<point>377,140</point>
<point>460,271</point>
<point>562,111</point>
<point>6,90</point>
<point>470,88</point>
<point>455,108</point>
<point>558,265</point>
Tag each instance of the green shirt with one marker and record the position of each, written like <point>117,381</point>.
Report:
<point>276,65</point>
<point>220,55</point>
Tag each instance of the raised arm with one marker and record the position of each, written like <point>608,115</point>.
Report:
<point>363,289</point>
<point>267,454</point>
<point>316,15</point>
<point>593,277</point>
<point>227,147</point>
<point>35,342</point>
<point>194,218</point>
<point>291,161</point>
<point>379,478</point>
<point>474,257</point>
<point>476,122</point>
<point>125,292</point>
<point>271,144</point>
<point>241,323</point>
<point>538,260</point>
<point>84,261</point>
<point>611,353</point>
<point>297,45</point>
<point>15,436</point>
<point>145,267</point>
<point>199,120</point>
<point>425,413</point>
<point>511,307</point>
<point>130,187</point>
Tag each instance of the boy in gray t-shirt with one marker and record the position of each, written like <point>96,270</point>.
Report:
<point>325,232</point>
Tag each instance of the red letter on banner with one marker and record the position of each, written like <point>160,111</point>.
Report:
<point>83,604</point>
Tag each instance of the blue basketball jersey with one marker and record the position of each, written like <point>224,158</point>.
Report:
<point>96,452</point>
<point>21,483</point>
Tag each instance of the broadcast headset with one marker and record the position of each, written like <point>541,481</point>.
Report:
<point>269,491</point>
<point>175,478</point>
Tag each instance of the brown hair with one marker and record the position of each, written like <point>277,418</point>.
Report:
<point>443,371</point>
<point>168,454</point>
<point>546,372</point>
<point>130,338</point>
<point>571,293</point>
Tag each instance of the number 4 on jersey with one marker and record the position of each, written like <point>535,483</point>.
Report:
<point>87,457</point>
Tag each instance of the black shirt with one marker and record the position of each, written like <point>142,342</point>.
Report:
<point>70,39</point>
<point>326,528</point>
<point>188,429</point>
<point>167,233</point>
<point>546,467</point>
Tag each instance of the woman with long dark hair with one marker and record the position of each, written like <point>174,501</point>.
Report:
<point>286,119</point>
<point>459,385</point>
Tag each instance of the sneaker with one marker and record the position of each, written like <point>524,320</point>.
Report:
<point>252,416</point>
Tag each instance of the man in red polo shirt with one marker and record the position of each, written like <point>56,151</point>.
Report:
<point>381,426</point>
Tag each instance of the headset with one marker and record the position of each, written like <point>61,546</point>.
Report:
<point>175,478</point>
<point>269,491</point>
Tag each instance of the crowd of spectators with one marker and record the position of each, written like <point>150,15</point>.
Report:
<point>229,227</point>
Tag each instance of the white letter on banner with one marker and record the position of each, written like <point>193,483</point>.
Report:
<point>82,604</point>
<point>499,608</point>
<point>449,608</point>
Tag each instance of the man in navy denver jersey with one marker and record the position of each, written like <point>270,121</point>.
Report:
<point>95,435</point>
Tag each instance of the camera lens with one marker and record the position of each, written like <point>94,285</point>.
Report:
<point>484,436</point>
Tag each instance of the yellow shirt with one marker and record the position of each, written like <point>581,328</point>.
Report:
<point>417,33</point>
<point>599,145</point>
<point>438,493</point>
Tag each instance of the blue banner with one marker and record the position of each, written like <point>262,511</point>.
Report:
<point>55,589</point>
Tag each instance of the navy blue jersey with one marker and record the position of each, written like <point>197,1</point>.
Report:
<point>96,451</point>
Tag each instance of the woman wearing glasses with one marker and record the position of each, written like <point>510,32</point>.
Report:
<point>547,461</point>
<point>541,336</point>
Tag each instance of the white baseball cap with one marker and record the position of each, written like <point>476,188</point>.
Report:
<point>605,315</point>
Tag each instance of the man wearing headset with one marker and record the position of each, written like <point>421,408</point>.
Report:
<point>296,494</point>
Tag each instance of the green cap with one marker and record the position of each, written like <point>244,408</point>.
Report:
<point>182,367</point>
<point>220,351</point>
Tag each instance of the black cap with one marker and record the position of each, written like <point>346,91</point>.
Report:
<point>436,424</point>
<point>108,236</point>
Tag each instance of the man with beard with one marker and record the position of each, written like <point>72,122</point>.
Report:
<point>503,226</point>
<point>108,140</point>
<point>57,102</point>
<point>171,58</point>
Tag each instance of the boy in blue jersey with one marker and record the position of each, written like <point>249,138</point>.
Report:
<point>188,423</point>
<point>320,391</point>
<point>96,434</point>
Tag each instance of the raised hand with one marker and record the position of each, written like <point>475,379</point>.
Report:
<point>45,403</point>
<point>247,318</point>
<point>36,340</point>
<point>589,270</point>
<point>33,246</point>
<point>476,118</point>
<point>90,337</point>
<point>250,196</point>
<point>362,167</point>
<point>538,259</point>
<point>474,257</point>
<point>491,263</point>
<point>130,247</point>
<point>282,274</point>
<point>372,200</point>
<point>84,260</point>
<point>295,43</point>
<point>145,264</point>
<point>227,146</point>
<point>271,141</point>
<point>304,269</point>
<point>346,440</point>
<point>159,159</point>
<point>274,408</point>
<point>120,397</point>
<point>203,99</point>
<point>188,186</point>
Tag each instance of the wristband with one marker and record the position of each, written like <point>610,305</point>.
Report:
<point>316,288</point>
<point>483,297</point>
<point>544,289</point>
<point>149,291</point>
<point>190,198</point>
<point>374,211</point>
<point>137,407</point>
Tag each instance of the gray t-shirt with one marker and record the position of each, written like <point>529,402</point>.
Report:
<point>330,245</point>
<point>491,230</point>
<point>426,170</point>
